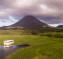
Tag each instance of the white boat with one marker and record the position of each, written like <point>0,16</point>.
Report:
<point>8,43</point>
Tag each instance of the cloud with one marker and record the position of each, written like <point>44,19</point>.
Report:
<point>52,10</point>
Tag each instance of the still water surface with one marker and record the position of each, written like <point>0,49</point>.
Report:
<point>7,51</point>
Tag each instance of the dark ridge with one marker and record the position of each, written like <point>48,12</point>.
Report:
<point>60,26</point>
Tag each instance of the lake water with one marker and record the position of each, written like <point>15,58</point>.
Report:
<point>7,51</point>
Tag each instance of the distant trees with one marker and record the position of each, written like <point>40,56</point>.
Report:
<point>34,32</point>
<point>31,32</point>
<point>52,34</point>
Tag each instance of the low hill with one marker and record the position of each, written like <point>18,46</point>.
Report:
<point>60,26</point>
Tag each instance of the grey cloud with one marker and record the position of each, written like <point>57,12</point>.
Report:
<point>50,9</point>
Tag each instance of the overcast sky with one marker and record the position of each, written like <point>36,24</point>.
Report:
<point>48,11</point>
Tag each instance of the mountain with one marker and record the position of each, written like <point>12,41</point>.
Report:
<point>30,23</point>
<point>60,26</point>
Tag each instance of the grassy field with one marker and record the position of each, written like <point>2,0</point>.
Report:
<point>42,47</point>
<point>48,45</point>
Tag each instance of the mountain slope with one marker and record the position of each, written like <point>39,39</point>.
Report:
<point>30,22</point>
<point>60,26</point>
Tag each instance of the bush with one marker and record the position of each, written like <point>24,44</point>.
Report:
<point>49,35</point>
<point>46,34</point>
<point>34,32</point>
<point>59,35</point>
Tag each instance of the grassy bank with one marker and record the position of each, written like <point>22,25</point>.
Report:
<point>44,45</point>
<point>41,47</point>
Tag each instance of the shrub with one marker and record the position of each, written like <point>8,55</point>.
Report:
<point>59,35</point>
<point>34,32</point>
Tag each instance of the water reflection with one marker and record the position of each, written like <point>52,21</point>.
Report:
<point>7,51</point>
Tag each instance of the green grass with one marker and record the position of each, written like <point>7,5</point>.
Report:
<point>40,46</point>
<point>48,44</point>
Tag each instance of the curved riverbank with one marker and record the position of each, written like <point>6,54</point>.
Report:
<point>9,50</point>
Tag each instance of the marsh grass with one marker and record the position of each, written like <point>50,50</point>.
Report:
<point>40,46</point>
<point>43,44</point>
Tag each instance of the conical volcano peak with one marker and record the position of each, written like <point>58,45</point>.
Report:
<point>29,17</point>
<point>30,23</point>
